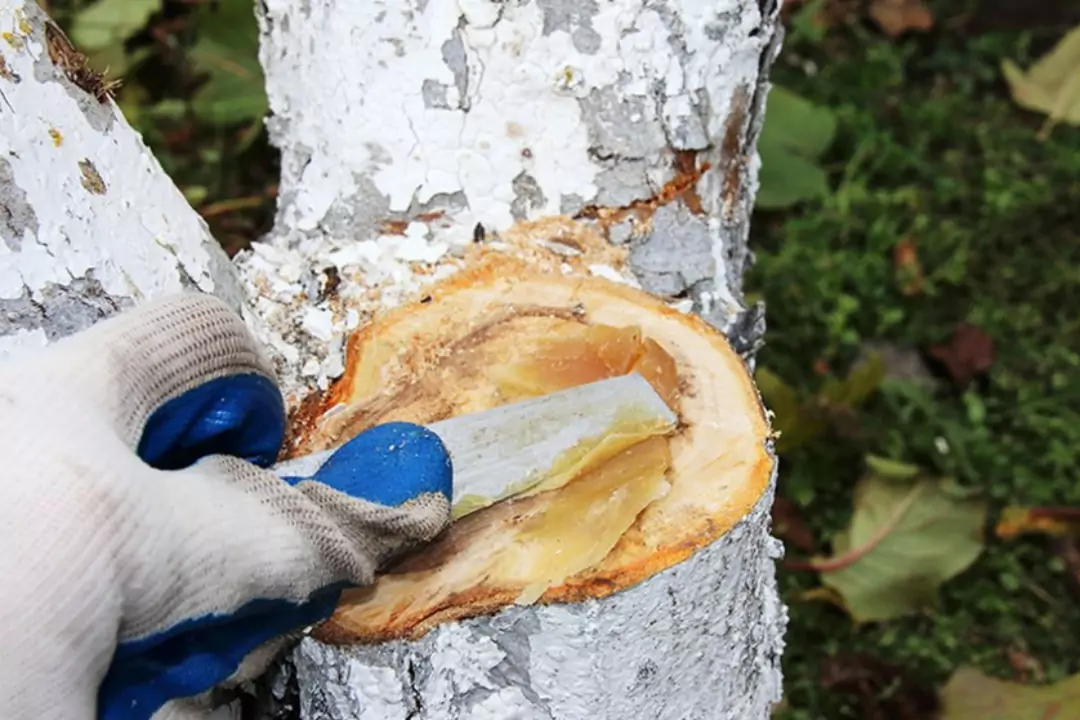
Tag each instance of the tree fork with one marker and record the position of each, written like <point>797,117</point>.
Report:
<point>612,141</point>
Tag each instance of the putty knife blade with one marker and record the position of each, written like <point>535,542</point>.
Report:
<point>508,449</point>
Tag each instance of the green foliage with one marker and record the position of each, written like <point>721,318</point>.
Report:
<point>193,86</point>
<point>102,28</point>
<point>929,150</point>
<point>795,135</point>
<point>227,51</point>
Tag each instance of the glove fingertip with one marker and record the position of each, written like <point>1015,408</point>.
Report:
<point>390,464</point>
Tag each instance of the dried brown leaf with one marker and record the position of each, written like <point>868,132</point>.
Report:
<point>909,271</point>
<point>896,17</point>
<point>970,352</point>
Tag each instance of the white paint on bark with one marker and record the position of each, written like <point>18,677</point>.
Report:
<point>439,115</point>
<point>381,107</point>
<point>442,115</point>
<point>700,641</point>
<point>89,222</point>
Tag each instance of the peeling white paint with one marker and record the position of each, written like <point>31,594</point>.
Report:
<point>135,236</point>
<point>346,81</point>
<point>305,328</point>
<point>609,273</point>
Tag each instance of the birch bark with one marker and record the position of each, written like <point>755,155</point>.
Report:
<point>408,130</point>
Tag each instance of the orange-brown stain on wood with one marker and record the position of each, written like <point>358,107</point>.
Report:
<point>731,149</point>
<point>6,72</point>
<point>688,171</point>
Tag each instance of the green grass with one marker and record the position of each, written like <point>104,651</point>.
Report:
<point>930,149</point>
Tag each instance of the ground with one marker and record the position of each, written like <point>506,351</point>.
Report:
<point>931,150</point>
<point>932,160</point>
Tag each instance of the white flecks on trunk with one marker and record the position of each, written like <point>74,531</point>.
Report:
<point>699,641</point>
<point>409,129</point>
<point>89,222</point>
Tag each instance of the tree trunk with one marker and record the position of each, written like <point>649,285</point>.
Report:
<point>419,128</point>
<point>89,221</point>
<point>410,133</point>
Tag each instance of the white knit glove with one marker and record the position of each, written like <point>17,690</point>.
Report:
<point>144,552</point>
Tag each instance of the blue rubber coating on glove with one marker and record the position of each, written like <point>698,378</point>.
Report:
<point>389,464</point>
<point>244,416</point>
<point>194,656</point>
<point>238,415</point>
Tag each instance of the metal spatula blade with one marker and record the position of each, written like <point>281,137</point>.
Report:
<point>509,449</point>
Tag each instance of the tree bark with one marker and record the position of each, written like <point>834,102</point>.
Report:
<point>89,221</point>
<point>420,128</point>
<point>411,126</point>
<point>409,132</point>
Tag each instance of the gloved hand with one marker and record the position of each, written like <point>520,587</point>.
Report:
<point>144,550</point>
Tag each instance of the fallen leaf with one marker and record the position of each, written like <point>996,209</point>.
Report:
<point>788,525</point>
<point>970,695</point>
<point>895,17</point>
<point>908,268</point>
<point>970,352</point>
<point>817,594</point>
<point>862,381</point>
<point>905,539</point>
<point>891,469</point>
<point>798,423</point>
<point>884,691</point>
<point>110,22</point>
<point>1052,85</point>
<point>1053,521</point>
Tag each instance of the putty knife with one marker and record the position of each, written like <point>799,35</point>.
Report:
<point>509,449</point>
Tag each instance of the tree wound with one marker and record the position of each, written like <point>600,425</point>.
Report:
<point>501,332</point>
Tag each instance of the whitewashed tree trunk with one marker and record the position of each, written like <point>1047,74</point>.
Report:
<point>89,222</point>
<point>408,130</point>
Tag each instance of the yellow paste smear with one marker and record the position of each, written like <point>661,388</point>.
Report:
<point>574,530</point>
<point>590,517</point>
<point>593,493</point>
<point>619,475</point>
<point>504,331</point>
